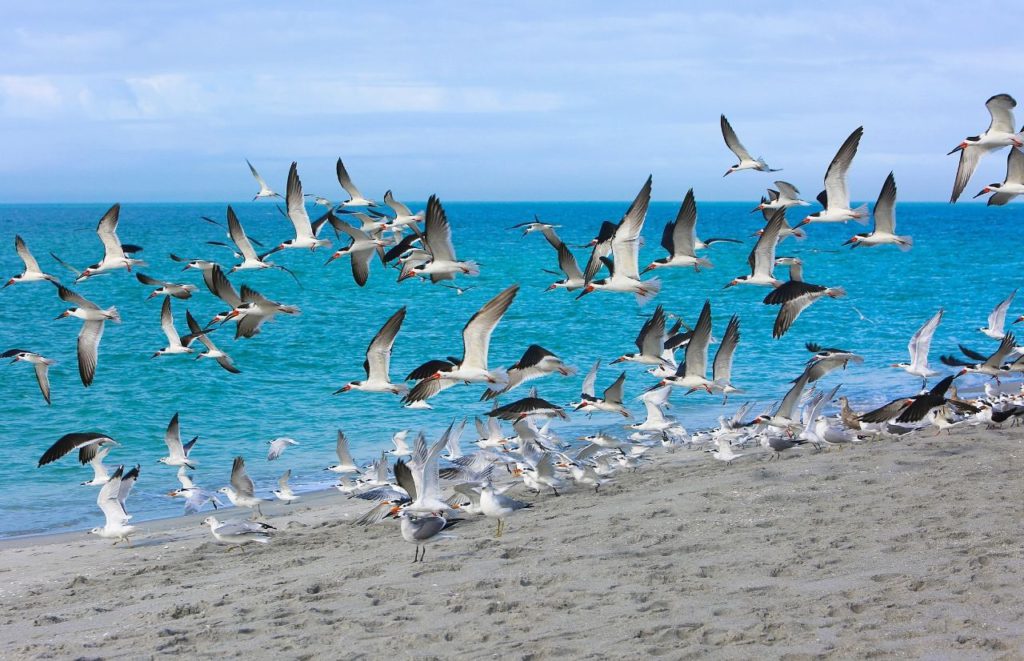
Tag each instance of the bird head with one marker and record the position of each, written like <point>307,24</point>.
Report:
<point>1019,319</point>
<point>67,313</point>
<point>586,290</point>
<point>9,283</point>
<point>730,170</point>
<point>988,189</point>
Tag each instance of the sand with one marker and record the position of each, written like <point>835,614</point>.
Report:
<point>906,547</point>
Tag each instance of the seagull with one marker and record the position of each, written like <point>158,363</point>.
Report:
<point>278,446</point>
<point>499,506</point>
<point>920,345</point>
<point>283,492</point>
<point>111,500</point>
<point>306,232</point>
<point>254,311</point>
<point>997,318</point>
<point>264,189</point>
<point>87,443</point>
<point>423,529</point>
<point>403,214</point>
<point>195,498</point>
<point>39,362</point>
<point>176,344</point>
<point>1012,186</point>
<point>437,240</point>
<point>177,452</point>
<point>476,340</point>
<point>692,372</point>
<point>356,198</point>
<point>239,532</point>
<point>574,278</point>
<point>114,255</point>
<point>721,368</point>
<point>762,257</point>
<point>679,238</point>
<point>795,296</point>
<point>212,351</point>
<point>623,268</point>
<point>32,272</point>
<point>1000,133</point>
<point>378,360</point>
<point>166,288</point>
<point>747,162</point>
<point>94,319</point>
<point>100,474</point>
<point>787,196</point>
<point>610,400</point>
<point>650,341</point>
<point>836,197</point>
<point>345,462</point>
<point>361,250</point>
<point>241,493</point>
<point>535,363</point>
<point>885,222</point>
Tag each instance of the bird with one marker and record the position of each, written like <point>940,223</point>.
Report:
<point>991,365</point>
<point>283,492</point>
<point>32,272</point>
<point>355,198</point>
<point>836,197</point>
<point>250,260</point>
<point>625,247</point>
<point>212,351</point>
<point>436,376</point>
<point>204,266</point>
<point>176,344</point>
<point>264,190</point>
<point>997,318</point>
<point>679,238</point>
<point>787,196</point>
<point>786,416</point>
<point>574,278</point>
<point>360,251</point>
<point>723,451</point>
<point>114,255</point>
<point>884,231</point>
<point>239,532</point>
<point>795,296</point>
<point>254,311</point>
<point>401,448</point>
<point>494,504</point>
<point>166,288</point>
<point>378,360</point>
<point>459,291</point>
<point>437,241</point>
<point>87,443</point>
<point>547,229</point>
<point>762,257</point>
<point>1000,133</point>
<point>423,529</point>
<point>655,401</point>
<point>527,407</point>
<point>306,231</point>
<point>747,162</point>
<point>535,363</point>
<point>40,363</point>
<point>345,462</point>
<point>650,341</point>
<point>721,368</point>
<point>826,360</point>
<point>610,400</point>
<point>692,372</point>
<point>403,214</point>
<point>241,493</point>
<point>100,474</point>
<point>278,446</point>
<point>111,500</point>
<point>1012,186</point>
<point>177,452</point>
<point>915,408</point>
<point>195,497</point>
<point>93,319</point>
<point>920,345</point>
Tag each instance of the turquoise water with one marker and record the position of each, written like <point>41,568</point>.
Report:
<point>966,259</point>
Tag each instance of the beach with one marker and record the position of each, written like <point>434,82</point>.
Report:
<point>895,548</point>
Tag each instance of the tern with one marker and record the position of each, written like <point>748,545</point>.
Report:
<point>423,529</point>
<point>306,232</point>
<point>721,368</point>
<point>535,363</point>
<point>111,500</point>
<point>997,318</point>
<point>787,196</point>
<point>264,189</point>
<point>625,243</point>
<point>40,363</point>
<point>610,400</point>
<point>114,255</point>
<point>762,257</point>
<point>166,288</point>
<point>747,162</point>
<point>195,497</point>
<point>283,492</point>
<point>692,372</point>
<point>1000,133</point>
<point>1012,186</point>
<point>836,197</point>
<point>679,238</point>
<point>212,351</point>
<point>499,506</point>
<point>920,345</point>
<point>87,443</point>
<point>723,450</point>
<point>403,214</point>
<point>237,533</point>
<point>278,446</point>
<point>345,462</point>
<point>177,452</point>
<point>378,360</point>
<point>795,296</point>
<point>241,493</point>
<point>93,320</point>
<point>885,222</point>
<point>355,198</point>
<point>32,272</point>
<point>176,344</point>
<point>650,341</point>
<point>437,240</point>
<point>361,250</point>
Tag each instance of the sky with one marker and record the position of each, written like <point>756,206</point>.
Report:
<point>109,101</point>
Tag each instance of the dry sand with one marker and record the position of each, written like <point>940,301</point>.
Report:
<point>905,548</point>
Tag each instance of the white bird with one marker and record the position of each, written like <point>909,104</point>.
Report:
<point>378,360</point>
<point>264,189</point>
<point>1001,132</point>
<point>242,492</point>
<point>93,318</point>
<point>499,506</point>
<point>787,416</point>
<point>32,272</point>
<point>401,448</point>
<point>762,257</point>
<point>920,345</point>
<point>212,351</point>
<point>747,162</point>
<point>114,256</point>
<point>254,311</point>
<point>356,198</point>
<point>997,318</point>
<point>723,450</point>
<point>176,344</point>
<point>692,372</point>
<point>403,215</point>
<point>41,365</point>
<point>283,492</point>
<point>164,288</point>
<point>655,402</point>
<point>306,232</point>
<point>111,500</point>
<point>885,222</point>
<point>1013,184</point>
<point>100,474</point>
<point>437,240</point>
<point>423,529</point>
<point>610,400</point>
<point>836,197</point>
<point>679,238</point>
<point>195,497</point>
<point>625,243</point>
<point>177,452</point>
<point>345,462</point>
<point>278,446</point>
<point>787,196</point>
<point>239,532</point>
<point>361,250</point>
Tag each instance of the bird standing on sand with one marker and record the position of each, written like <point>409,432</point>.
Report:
<point>494,504</point>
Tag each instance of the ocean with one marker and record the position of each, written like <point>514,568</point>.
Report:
<point>964,260</point>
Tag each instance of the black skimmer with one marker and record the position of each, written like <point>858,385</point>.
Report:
<point>574,278</point>
<point>1001,132</point>
<point>762,257</point>
<point>721,368</point>
<point>306,232</point>
<point>795,296</point>
<point>526,407</point>
<point>264,190</point>
<point>378,360</point>
<point>93,320</point>
<point>360,251</point>
<point>610,400</point>
<point>114,254</point>
<point>437,240</point>
<point>40,363</point>
<point>692,372</point>
<point>254,311</point>
<point>403,215</point>
<point>355,198</point>
<point>547,229</point>
<point>212,351</point>
<point>787,196</point>
<point>32,272</point>
<point>916,407</point>
<point>679,238</point>
<point>1013,184</point>
<point>650,341</point>
<point>176,344</point>
<point>535,362</point>
<point>991,365</point>
<point>747,162</point>
<point>836,197</point>
<point>164,288</point>
<point>884,231</point>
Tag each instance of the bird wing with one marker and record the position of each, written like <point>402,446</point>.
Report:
<point>835,177</point>
<point>88,349</point>
<point>921,341</point>
<point>684,230</point>
<point>886,412</point>
<point>885,207</point>
<point>1006,346</point>
<point>733,143</point>
<point>997,318</point>
<point>721,369</point>
<point>1001,108</point>
<point>651,339</point>
<point>346,181</point>
<point>437,235</point>
<point>30,262</point>
<point>69,296</point>
<point>378,354</point>
<point>969,157</point>
<point>626,242</point>
<point>791,309</point>
<point>613,393</point>
<point>787,190</point>
<point>84,442</point>
<point>167,323</point>
<point>43,378</point>
<point>107,231</point>
<point>172,437</point>
<point>282,482</point>
<point>396,206</point>
<point>590,379</point>
<point>602,246</point>
<point>238,236</point>
<point>341,449</point>
<point>787,409</point>
<point>296,204</point>
<point>567,263</point>
<point>426,389</point>
<point>222,287</point>
<point>108,501</point>
<point>476,336</point>
<point>256,175</point>
<point>125,488</point>
<point>240,480</point>
<point>762,257</point>
<point>696,356</point>
<point>1014,168</point>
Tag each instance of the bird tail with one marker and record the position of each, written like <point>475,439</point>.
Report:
<point>500,375</point>
<point>472,268</point>
<point>113,314</point>
<point>704,263</point>
<point>289,309</point>
<point>860,214</point>
<point>650,290</point>
<point>836,292</point>
<point>905,243</point>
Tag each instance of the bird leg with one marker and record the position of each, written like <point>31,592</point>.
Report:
<point>497,531</point>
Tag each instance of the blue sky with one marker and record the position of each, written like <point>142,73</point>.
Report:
<point>106,101</point>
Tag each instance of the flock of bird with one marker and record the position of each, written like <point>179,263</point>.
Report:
<point>420,246</point>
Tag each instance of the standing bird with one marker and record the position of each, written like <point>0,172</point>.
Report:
<point>355,198</point>
<point>423,529</point>
<point>177,452</point>
<point>762,257</point>
<point>111,500</point>
<point>679,238</point>
<point>885,222</point>
<point>32,272</point>
<point>920,345</point>
<point>1000,133</point>
<point>39,362</point>
<point>836,196</point>
<point>264,190</point>
<point>93,318</point>
<point>242,492</point>
<point>494,504</point>
<point>795,296</point>
<point>747,162</point>
<point>306,232</point>
<point>114,255</point>
<point>1013,184</point>
<point>378,360</point>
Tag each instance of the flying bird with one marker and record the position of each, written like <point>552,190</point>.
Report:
<point>795,296</point>
<point>885,222</point>
<point>40,363</point>
<point>920,345</point>
<point>610,400</point>
<point>177,452</point>
<point>787,196</point>
<point>87,443</point>
<point>1000,133</point>
<point>378,360</point>
<point>679,238</point>
<point>1013,184</point>
<point>164,288</point>
<point>32,272</point>
<point>212,351</point>
<point>747,162</point>
<point>114,254</point>
<point>762,258</point>
<point>355,198</point>
<point>93,320</point>
<point>264,190</point>
<point>306,232</point>
<point>437,241</point>
<point>836,197</point>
